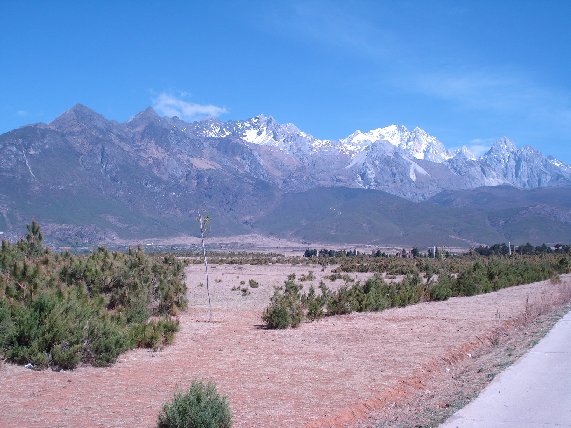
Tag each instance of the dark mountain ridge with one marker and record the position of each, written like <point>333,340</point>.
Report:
<point>89,179</point>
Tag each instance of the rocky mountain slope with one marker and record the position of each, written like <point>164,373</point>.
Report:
<point>411,164</point>
<point>91,179</point>
<point>460,218</point>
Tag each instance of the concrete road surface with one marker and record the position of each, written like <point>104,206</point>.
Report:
<point>534,392</point>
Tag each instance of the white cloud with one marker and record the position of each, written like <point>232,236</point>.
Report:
<point>480,146</point>
<point>477,146</point>
<point>474,89</point>
<point>169,105</point>
<point>499,91</point>
<point>21,113</point>
<point>335,25</point>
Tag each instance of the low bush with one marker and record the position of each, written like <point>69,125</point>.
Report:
<point>289,306</point>
<point>58,310</point>
<point>442,289</point>
<point>285,309</point>
<point>314,304</point>
<point>309,277</point>
<point>200,407</point>
<point>155,334</point>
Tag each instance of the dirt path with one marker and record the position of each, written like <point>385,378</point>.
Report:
<point>331,372</point>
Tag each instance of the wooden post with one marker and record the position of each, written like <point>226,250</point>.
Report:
<point>203,221</point>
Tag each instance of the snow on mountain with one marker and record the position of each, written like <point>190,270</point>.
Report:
<point>502,150</point>
<point>386,158</point>
<point>266,131</point>
<point>524,167</point>
<point>558,164</point>
<point>464,152</point>
<point>418,143</point>
<point>409,163</point>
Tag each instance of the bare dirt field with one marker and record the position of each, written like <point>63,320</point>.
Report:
<point>340,371</point>
<point>260,244</point>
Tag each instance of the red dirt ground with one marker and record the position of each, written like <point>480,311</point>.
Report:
<point>332,372</point>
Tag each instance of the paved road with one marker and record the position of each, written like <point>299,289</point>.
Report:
<point>534,392</point>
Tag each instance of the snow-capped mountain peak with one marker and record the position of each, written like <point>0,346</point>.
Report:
<point>410,163</point>
<point>417,143</point>
<point>503,145</point>
<point>272,157</point>
<point>558,164</point>
<point>466,153</point>
<point>266,131</point>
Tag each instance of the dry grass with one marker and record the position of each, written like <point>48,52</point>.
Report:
<point>333,372</point>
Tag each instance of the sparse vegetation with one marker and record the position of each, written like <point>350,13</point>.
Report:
<point>199,407</point>
<point>309,277</point>
<point>57,310</point>
<point>335,276</point>
<point>286,306</point>
<point>462,276</point>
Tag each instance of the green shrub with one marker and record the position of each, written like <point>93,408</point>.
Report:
<point>309,277</point>
<point>62,309</point>
<point>442,289</point>
<point>285,309</point>
<point>154,334</point>
<point>200,407</point>
<point>169,326</point>
<point>342,301</point>
<point>66,356</point>
<point>375,295</point>
<point>106,341</point>
<point>407,292</point>
<point>472,275</point>
<point>146,336</point>
<point>314,304</point>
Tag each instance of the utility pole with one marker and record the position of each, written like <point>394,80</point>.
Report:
<point>203,221</point>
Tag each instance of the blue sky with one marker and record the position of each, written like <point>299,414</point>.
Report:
<point>465,71</point>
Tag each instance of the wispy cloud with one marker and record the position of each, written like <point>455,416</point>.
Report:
<point>505,92</point>
<point>170,105</point>
<point>478,149</point>
<point>333,24</point>
<point>492,88</point>
<point>401,62</point>
<point>478,146</point>
<point>21,113</point>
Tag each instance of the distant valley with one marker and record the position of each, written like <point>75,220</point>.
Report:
<point>90,180</point>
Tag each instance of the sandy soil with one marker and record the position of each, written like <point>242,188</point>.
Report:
<point>333,372</point>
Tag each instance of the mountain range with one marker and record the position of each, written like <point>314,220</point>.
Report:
<point>89,179</point>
